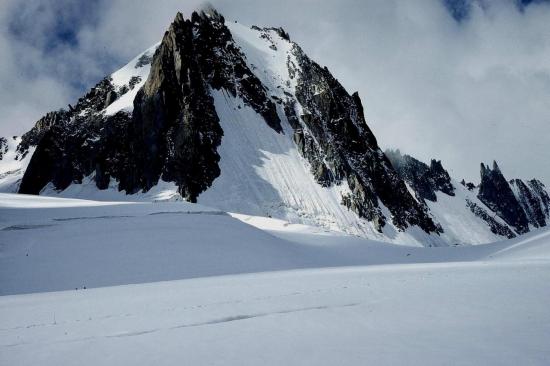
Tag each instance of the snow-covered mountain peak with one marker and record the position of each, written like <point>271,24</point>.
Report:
<point>208,10</point>
<point>241,119</point>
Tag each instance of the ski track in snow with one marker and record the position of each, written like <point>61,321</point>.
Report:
<point>348,316</point>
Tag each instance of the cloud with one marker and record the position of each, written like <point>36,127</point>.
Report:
<point>40,71</point>
<point>463,91</point>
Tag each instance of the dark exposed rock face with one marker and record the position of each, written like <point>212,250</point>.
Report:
<point>423,179</point>
<point>3,147</point>
<point>517,203</point>
<point>494,225</point>
<point>175,129</point>
<point>441,178</point>
<point>173,132</point>
<point>339,145</point>
<point>78,119</point>
<point>64,156</point>
<point>144,60</point>
<point>133,81</point>
<point>534,200</point>
<point>33,137</point>
<point>280,31</point>
<point>541,191</point>
<point>67,142</point>
<point>495,193</point>
<point>469,185</point>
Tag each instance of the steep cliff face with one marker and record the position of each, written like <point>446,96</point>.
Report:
<point>173,131</point>
<point>540,190</point>
<point>533,199</point>
<point>494,225</point>
<point>506,208</point>
<point>495,193</point>
<point>72,144</point>
<point>3,147</point>
<point>423,179</point>
<point>33,137</point>
<point>331,132</point>
<point>454,206</point>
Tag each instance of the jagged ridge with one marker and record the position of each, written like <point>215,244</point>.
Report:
<point>173,133</point>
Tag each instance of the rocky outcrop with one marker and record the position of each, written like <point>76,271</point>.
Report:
<point>496,227</point>
<point>540,190</point>
<point>533,198</point>
<point>34,135</point>
<point>469,185</point>
<point>496,194</point>
<point>68,145</point>
<point>66,153</point>
<point>3,147</point>
<point>441,179</point>
<point>333,135</point>
<point>518,203</point>
<point>423,179</point>
<point>173,132</point>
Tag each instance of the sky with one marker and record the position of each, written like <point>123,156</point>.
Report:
<point>464,81</point>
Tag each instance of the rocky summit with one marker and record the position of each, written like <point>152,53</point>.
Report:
<point>240,118</point>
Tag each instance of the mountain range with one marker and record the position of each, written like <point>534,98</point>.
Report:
<point>241,119</point>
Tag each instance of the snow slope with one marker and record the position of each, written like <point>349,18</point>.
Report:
<point>263,174</point>
<point>121,78</point>
<point>50,244</point>
<point>237,290</point>
<point>13,165</point>
<point>464,314</point>
<point>459,224</point>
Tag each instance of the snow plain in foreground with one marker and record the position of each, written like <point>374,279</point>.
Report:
<point>245,290</point>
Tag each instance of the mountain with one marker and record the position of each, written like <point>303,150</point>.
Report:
<point>506,208</point>
<point>241,119</point>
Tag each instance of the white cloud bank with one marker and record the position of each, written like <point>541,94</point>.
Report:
<point>461,92</point>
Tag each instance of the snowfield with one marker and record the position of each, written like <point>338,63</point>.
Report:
<point>173,283</point>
